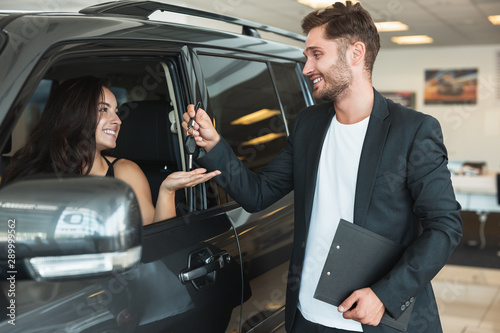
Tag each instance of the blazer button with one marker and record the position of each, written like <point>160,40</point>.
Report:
<point>412,299</point>
<point>303,245</point>
<point>407,303</point>
<point>403,307</point>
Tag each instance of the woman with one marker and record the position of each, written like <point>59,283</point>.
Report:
<point>78,123</point>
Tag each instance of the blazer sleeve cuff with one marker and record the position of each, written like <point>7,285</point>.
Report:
<point>394,303</point>
<point>213,160</point>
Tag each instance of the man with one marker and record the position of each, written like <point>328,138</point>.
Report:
<point>358,157</point>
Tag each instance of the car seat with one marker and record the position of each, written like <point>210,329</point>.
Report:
<point>146,139</point>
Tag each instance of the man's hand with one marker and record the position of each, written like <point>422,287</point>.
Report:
<point>203,130</point>
<point>368,310</point>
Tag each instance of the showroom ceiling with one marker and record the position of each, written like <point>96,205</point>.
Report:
<point>447,22</point>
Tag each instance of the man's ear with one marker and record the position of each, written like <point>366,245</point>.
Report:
<point>358,51</point>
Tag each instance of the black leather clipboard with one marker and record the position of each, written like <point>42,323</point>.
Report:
<point>357,259</point>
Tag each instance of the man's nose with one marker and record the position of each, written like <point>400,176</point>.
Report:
<point>307,69</point>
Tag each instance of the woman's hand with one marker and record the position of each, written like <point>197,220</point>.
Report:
<point>165,205</point>
<point>182,179</point>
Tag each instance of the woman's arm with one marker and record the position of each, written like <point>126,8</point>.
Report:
<point>165,205</point>
<point>132,174</point>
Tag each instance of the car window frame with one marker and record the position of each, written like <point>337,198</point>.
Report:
<point>63,52</point>
<point>249,56</point>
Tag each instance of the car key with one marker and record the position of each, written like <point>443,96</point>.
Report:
<point>190,143</point>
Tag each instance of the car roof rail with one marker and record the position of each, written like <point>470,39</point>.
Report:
<point>143,9</point>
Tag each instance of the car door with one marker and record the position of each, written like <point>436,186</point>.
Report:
<point>189,263</point>
<point>254,102</point>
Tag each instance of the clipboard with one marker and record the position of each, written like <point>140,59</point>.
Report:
<point>357,259</point>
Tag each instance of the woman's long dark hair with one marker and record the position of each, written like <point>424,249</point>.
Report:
<point>63,142</point>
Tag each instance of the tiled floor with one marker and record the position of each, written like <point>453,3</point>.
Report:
<point>468,299</point>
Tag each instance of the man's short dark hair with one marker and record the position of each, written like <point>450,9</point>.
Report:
<point>348,24</point>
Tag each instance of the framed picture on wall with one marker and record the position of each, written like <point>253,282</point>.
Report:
<point>405,98</point>
<point>450,86</point>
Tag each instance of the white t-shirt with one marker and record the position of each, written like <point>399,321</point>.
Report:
<point>333,200</point>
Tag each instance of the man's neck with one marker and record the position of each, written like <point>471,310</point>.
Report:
<point>355,105</point>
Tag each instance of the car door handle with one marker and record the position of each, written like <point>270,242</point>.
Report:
<point>210,265</point>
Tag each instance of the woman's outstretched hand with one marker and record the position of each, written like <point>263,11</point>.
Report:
<point>165,205</point>
<point>182,179</point>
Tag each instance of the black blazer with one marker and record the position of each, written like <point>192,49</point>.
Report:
<point>403,192</point>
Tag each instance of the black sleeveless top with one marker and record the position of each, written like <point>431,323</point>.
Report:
<point>111,171</point>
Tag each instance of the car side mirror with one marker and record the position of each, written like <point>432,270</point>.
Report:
<point>70,227</point>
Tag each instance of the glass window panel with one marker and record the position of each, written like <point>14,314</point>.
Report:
<point>290,91</point>
<point>245,108</point>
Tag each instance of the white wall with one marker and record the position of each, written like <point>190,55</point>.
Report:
<point>471,132</point>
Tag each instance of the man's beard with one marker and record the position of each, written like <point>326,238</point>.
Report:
<point>336,82</point>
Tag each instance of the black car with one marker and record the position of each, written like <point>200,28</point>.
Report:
<point>74,256</point>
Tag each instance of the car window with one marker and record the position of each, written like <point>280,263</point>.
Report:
<point>290,91</point>
<point>146,134</point>
<point>245,107</point>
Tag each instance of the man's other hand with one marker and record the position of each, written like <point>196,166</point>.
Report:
<point>368,310</point>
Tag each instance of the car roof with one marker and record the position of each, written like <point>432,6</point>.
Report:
<point>129,19</point>
<point>27,37</point>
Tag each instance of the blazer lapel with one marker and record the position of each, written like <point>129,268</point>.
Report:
<point>315,145</point>
<point>371,154</point>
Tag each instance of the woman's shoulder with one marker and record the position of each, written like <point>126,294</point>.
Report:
<point>128,171</point>
<point>122,164</point>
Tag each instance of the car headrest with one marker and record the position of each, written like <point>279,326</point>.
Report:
<point>145,134</point>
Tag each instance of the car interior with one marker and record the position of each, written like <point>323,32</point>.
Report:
<point>150,130</point>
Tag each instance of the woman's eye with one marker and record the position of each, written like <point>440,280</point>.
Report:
<point>103,110</point>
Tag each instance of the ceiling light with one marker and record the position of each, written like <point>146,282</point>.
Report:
<point>391,26</point>
<point>495,19</point>
<point>407,40</point>
<point>320,3</point>
<point>255,117</point>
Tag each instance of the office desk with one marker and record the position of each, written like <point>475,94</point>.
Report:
<point>477,194</point>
